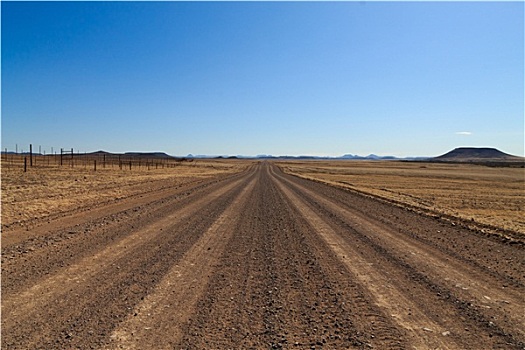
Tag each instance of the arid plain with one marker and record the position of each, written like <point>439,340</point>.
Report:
<point>215,254</point>
<point>488,195</point>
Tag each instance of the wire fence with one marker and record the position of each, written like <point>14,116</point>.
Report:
<point>89,161</point>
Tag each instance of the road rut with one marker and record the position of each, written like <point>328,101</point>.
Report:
<point>260,259</point>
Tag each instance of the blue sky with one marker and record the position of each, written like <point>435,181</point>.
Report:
<point>281,78</point>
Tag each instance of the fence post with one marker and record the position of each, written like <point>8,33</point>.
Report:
<point>25,164</point>
<point>30,155</point>
<point>61,156</point>
<point>95,164</point>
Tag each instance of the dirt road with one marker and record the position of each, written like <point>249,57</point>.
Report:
<point>260,260</point>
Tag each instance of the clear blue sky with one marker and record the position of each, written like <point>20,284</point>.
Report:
<point>281,78</point>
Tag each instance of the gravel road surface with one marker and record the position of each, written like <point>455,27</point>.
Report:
<point>259,260</point>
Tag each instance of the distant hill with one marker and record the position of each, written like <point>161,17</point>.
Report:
<point>307,157</point>
<point>368,157</point>
<point>469,154</point>
<point>136,155</point>
<point>148,154</point>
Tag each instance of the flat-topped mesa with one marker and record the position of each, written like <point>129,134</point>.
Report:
<point>476,153</point>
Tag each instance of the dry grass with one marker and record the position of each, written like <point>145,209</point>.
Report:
<point>43,191</point>
<point>489,195</point>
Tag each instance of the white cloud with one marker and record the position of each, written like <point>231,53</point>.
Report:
<point>464,133</point>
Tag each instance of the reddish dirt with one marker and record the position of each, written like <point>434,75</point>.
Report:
<point>259,259</point>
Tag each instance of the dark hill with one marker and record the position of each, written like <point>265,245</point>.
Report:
<point>134,155</point>
<point>148,154</point>
<point>477,154</point>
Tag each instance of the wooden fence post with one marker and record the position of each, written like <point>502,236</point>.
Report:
<point>30,155</point>
<point>95,165</point>
<point>25,164</point>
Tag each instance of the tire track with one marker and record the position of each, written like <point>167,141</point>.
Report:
<point>451,274</point>
<point>42,227</point>
<point>485,252</point>
<point>25,263</point>
<point>154,321</point>
<point>415,322</point>
<point>421,265</point>
<point>275,287</point>
<point>259,260</point>
<point>83,302</point>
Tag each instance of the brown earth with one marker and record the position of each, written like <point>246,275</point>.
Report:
<point>259,259</point>
<point>48,192</point>
<point>491,199</point>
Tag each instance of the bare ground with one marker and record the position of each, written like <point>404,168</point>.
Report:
<point>259,259</point>
<point>488,198</point>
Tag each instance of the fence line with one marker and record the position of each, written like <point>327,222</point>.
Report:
<point>68,158</point>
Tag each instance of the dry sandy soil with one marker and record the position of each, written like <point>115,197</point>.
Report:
<point>491,196</point>
<point>45,193</point>
<point>259,259</point>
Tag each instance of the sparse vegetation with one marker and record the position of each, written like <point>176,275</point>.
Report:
<point>53,190</point>
<point>488,195</point>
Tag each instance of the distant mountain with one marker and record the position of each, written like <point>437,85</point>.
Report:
<point>135,155</point>
<point>466,154</point>
<point>374,157</point>
<point>347,156</point>
<point>148,154</point>
<point>99,153</point>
